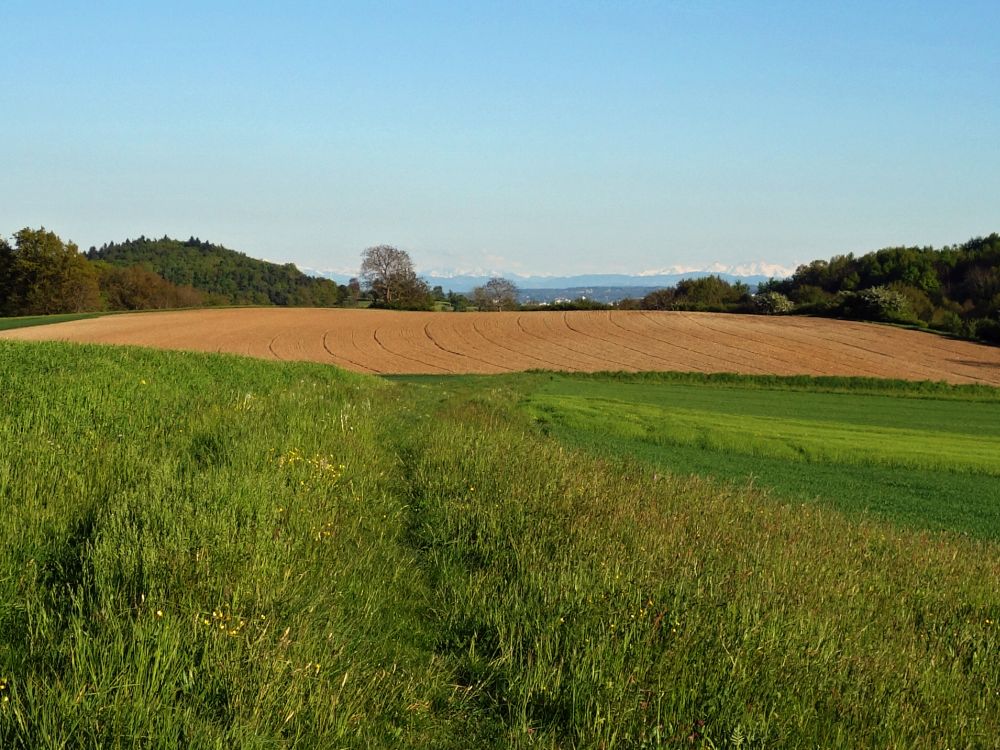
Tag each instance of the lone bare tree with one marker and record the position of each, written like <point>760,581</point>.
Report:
<point>388,272</point>
<point>496,294</point>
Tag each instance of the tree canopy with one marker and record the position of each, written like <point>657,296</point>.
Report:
<point>388,274</point>
<point>954,289</point>
<point>138,288</point>
<point>707,293</point>
<point>40,274</point>
<point>496,294</point>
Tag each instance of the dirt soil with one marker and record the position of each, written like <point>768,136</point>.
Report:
<point>380,341</point>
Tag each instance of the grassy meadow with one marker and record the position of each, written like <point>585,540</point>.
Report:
<point>212,551</point>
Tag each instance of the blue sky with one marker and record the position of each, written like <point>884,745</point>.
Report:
<point>516,137</point>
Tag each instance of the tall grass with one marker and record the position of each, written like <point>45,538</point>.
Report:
<point>598,606</point>
<point>217,552</point>
<point>202,552</point>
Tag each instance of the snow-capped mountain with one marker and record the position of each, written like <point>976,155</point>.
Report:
<point>751,273</point>
<point>750,268</point>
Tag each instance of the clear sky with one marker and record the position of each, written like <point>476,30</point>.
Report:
<point>540,137</point>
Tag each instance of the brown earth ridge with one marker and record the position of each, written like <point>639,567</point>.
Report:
<point>387,342</point>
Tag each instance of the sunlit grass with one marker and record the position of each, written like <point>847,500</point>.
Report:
<point>797,440</point>
<point>201,550</point>
<point>207,551</point>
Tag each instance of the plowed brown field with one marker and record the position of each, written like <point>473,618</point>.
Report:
<point>378,341</point>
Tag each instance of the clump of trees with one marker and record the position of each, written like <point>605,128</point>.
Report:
<point>41,274</point>
<point>497,294</point>
<point>709,293</point>
<point>388,275</point>
<point>138,288</point>
<point>882,303</point>
<point>458,302</point>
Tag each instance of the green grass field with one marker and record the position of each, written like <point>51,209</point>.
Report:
<point>7,324</point>
<point>930,460</point>
<point>211,551</point>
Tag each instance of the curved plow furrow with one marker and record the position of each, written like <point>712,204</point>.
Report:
<point>385,342</point>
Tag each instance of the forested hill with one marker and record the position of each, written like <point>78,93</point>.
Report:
<point>221,272</point>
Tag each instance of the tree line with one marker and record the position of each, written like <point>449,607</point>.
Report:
<point>222,275</point>
<point>955,289</point>
<point>40,274</point>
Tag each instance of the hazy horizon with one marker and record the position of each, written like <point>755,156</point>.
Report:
<point>556,138</point>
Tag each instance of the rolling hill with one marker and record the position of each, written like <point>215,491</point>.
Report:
<point>219,271</point>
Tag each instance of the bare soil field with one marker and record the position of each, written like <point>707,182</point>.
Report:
<point>384,342</point>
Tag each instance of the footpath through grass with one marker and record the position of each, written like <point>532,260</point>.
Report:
<point>209,551</point>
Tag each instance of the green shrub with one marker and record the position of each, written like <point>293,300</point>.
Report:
<point>948,320</point>
<point>772,303</point>
<point>987,329</point>
<point>876,303</point>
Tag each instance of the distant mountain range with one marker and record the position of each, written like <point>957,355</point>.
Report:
<point>234,278</point>
<point>546,288</point>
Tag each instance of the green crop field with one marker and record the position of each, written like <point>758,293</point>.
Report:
<point>212,551</point>
<point>909,453</point>
<point>7,324</point>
